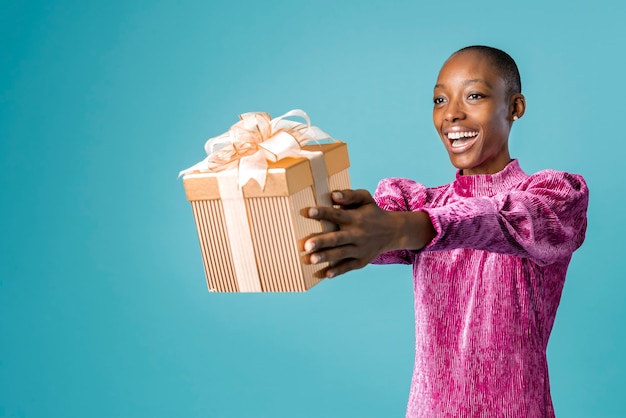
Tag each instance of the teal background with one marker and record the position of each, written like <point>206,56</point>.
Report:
<point>104,310</point>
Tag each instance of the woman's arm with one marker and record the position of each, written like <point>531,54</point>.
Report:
<point>544,221</point>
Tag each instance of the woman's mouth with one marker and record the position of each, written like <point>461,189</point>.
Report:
<point>460,141</point>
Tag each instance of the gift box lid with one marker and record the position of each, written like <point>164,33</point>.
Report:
<point>284,177</point>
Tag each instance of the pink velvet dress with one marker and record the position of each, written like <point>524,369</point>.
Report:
<point>487,287</point>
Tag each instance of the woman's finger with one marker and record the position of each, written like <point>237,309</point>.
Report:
<point>327,240</point>
<point>334,254</point>
<point>352,198</point>
<point>343,267</point>
<point>327,213</point>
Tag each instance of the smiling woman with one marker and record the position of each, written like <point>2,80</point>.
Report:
<point>475,105</point>
<point>489,251</point>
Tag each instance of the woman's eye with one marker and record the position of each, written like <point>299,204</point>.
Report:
<point>438,100</point>
<point>475,96</point>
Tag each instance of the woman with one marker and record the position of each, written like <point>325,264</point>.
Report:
<point>489,251</point>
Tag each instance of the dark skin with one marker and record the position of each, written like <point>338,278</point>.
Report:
<point>473,114</point>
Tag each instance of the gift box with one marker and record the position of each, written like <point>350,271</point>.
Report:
<point>248,197</point>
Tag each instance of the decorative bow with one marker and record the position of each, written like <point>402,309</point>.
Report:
<point>253,141</point>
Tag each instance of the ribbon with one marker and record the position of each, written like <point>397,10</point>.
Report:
<point>253,141</point>
<point>241,155</point>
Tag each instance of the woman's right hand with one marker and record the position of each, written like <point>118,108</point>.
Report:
<point>365,231</point>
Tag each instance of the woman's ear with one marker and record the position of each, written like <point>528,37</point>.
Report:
<point>518,106</point>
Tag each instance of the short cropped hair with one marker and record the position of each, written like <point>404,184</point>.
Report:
<point>505,65</point>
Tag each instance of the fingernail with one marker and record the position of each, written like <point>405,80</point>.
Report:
<point>315,259</point>
<point>313,212</point>
<point>330,274</point>
<point>309,246</point>
<point>337,196</point>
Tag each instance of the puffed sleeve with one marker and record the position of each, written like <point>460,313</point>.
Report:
<point>399,195</point>
<point>545,220</point>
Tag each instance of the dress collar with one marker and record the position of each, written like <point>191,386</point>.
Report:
<point>489,184</point>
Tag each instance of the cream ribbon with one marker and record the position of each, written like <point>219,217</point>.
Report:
<point>253,141</point>
<point>241,154</point>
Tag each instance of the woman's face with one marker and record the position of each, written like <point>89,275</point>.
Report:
<point>473,113</point>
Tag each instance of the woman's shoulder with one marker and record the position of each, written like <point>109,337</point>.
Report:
<point>555,179</point>
<point>395,193</point>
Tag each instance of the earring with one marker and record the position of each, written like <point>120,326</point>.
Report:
<point>515,118</point>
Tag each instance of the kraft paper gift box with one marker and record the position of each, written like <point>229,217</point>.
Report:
<point>251,236</point>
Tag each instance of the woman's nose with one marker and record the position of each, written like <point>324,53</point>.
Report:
<point>454,111</point>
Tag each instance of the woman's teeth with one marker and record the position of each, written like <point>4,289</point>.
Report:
<point>461,138</point>
<point>459,135</point>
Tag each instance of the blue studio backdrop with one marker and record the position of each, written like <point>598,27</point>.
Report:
<point>104,310</point>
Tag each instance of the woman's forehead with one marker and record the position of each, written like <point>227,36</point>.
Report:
<point>469,67</point>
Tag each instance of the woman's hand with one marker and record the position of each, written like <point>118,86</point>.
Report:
<point>365,231</point>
